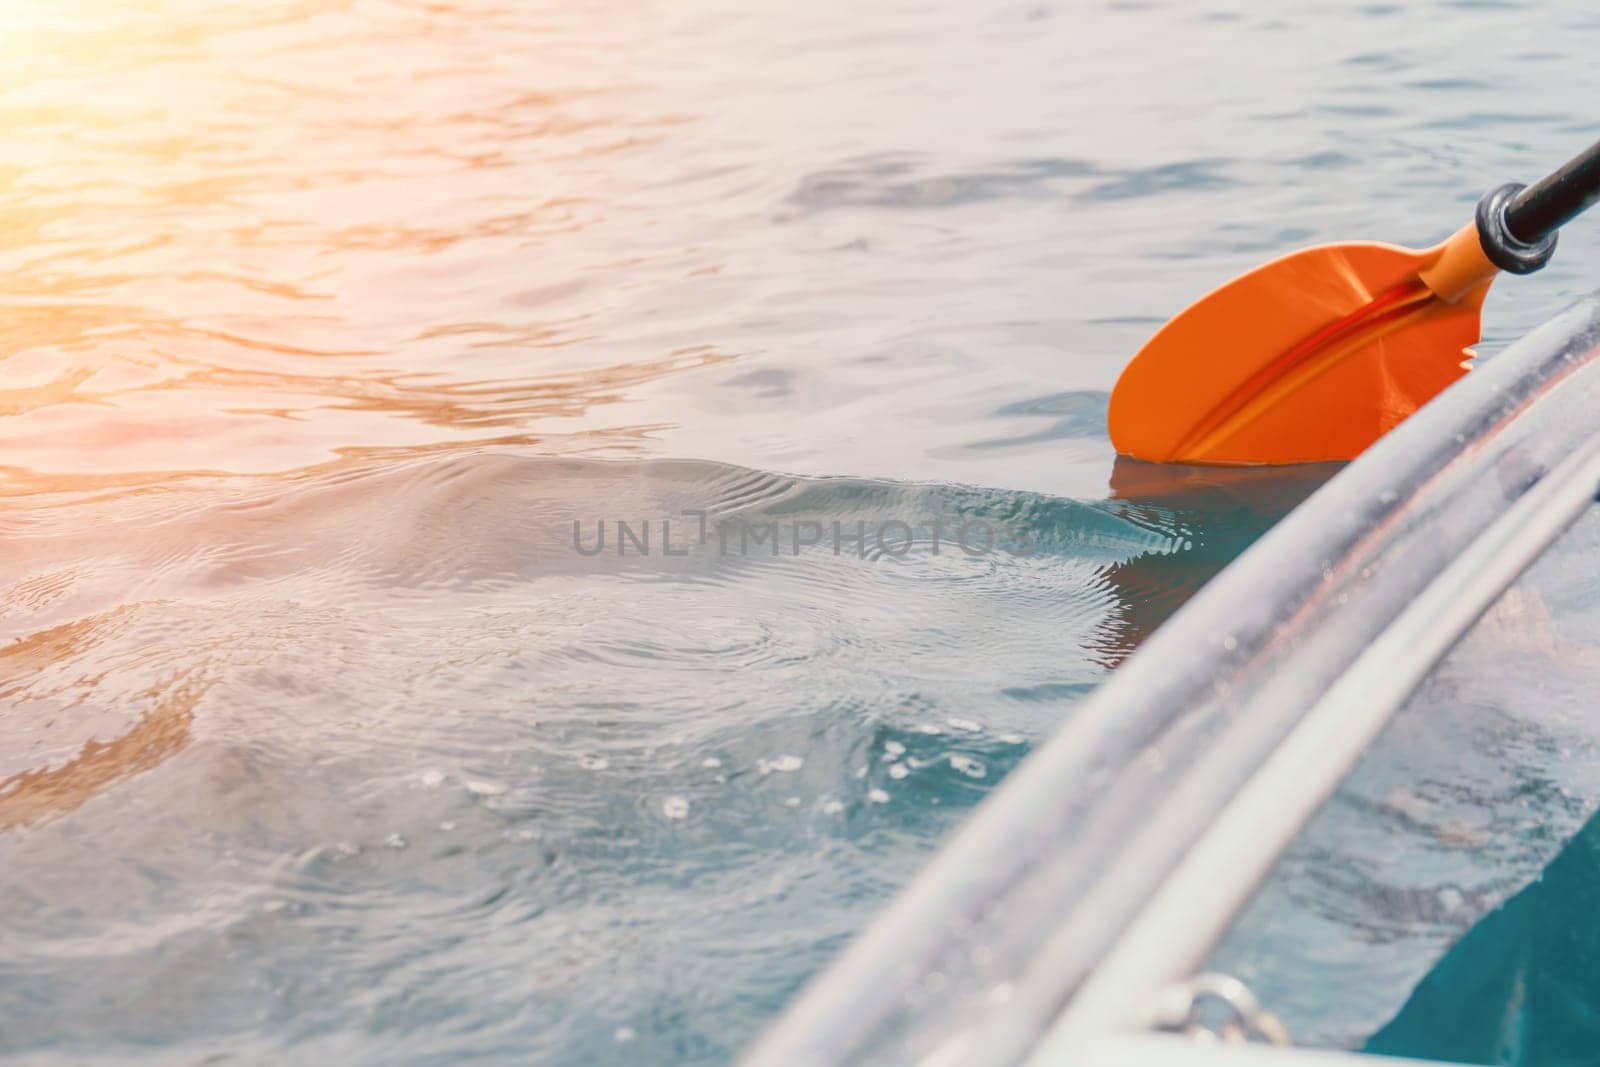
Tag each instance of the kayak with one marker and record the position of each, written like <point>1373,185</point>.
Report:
<point>1082,910</point>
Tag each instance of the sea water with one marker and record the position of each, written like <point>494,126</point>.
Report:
<point>336,334</point>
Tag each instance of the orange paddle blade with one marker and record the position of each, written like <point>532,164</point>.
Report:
<point>1311,357</point>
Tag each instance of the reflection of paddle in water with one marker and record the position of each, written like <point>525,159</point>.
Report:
<point>163,730</point>
<point>1211,514</point>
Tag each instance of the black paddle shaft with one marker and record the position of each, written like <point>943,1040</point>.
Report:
<point>1550,203</point>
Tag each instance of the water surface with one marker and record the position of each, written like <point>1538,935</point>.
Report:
<point>326,321</point>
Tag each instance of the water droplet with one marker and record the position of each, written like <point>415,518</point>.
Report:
<point>485,789</point>
<point>893,750</point>
<point>877,796</point>
<point>675,807</point>
<point>898,770</point>
<point>395,841</point>
<point>623,1035</point>
<point>832,806</point>
<point>781,764</point>
<point>432,779</point>
<point>711,761</point>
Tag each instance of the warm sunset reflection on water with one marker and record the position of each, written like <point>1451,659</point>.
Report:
<point>258,237</point>
<point>322,324</point>
<point>254,238</point>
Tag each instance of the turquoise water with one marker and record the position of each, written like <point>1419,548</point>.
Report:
<point>325,323</point>
<point>1519,987</point>
<point>438,785</point>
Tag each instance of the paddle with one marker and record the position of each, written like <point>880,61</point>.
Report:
<point>1316,355</point>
